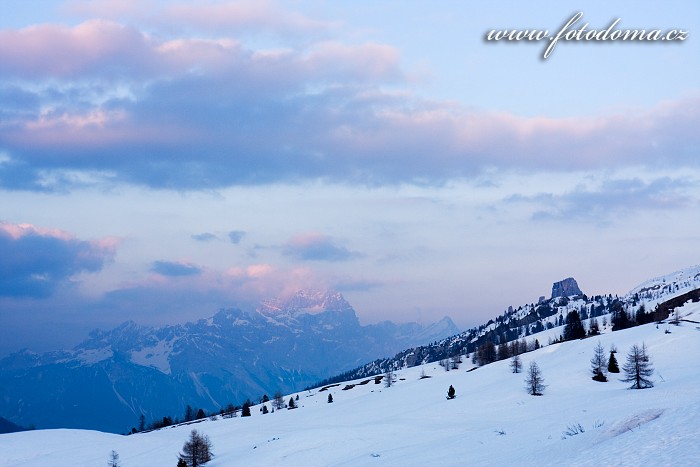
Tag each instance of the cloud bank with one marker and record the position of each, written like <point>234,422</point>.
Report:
<point>36,261</point>
<point>111,102</point>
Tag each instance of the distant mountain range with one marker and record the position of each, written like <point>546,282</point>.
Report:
<point>114,376</point>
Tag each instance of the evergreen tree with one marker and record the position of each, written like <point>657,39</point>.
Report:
<point>291,404</point>
<point>264,409</point>
<point>181,462</point>
<point>619,319</point>
<point>200,414</point>
<point>113,459</point>
<point>534,382</point>
<point>612,364</point>
<point>598,363</point>
<point>445,363</point>
<point>593,329</point>
<point>189,413</point>
<point>641,316</point>
<point>451,392</point>
<point>278,401</point>
<point>230,411</point>
<point>638,368</point>
<point>486,353</point>
<point>389,375</point>
<point>514,348</point>
<point>574,328</point>
<point>330,398</point>
<point>503,351</point>
<point>516,364</point>
<point>245,410</point>
<point>523,345</point>
<point>197,450</point>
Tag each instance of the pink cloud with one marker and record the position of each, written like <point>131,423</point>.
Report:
<point>448,137</point>
<point>16,231</point>
<point>109,50</point>
<point>60,52</point>
<point>213,288</point>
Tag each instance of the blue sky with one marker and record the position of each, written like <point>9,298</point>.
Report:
<point>162,160</point>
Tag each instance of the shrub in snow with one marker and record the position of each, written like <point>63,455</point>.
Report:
<point>573,430</point>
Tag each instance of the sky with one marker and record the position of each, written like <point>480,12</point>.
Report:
<point>162,160</point>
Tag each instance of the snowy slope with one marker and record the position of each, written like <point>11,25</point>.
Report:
<point>493,421</point>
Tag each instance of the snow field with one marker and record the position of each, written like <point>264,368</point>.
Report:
<point>492,421</point>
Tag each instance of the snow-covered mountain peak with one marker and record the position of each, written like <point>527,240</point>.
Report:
<point>304,302</point>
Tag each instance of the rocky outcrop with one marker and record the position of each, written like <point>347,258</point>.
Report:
<point>565,288</point>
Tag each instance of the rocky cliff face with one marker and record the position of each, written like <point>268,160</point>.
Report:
<point>565,288</point>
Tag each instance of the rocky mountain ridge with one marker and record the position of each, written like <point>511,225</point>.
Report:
<point>132,370</point>
<point>655,298</point>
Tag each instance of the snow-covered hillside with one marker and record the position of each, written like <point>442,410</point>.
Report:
<point>492,421</point>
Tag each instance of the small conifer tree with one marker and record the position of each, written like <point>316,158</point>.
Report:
<point>330,398</point>
<point>245,410</point>
<point>598,364</point>
<point>612,364</point>
<point>534,382</point>
<point>638,368</point>
<point>197,450</point>
<point>451,392</point>
<point>113,459</point>
<point>516,364</point>
<point>292,404</point>
<point>278,401</point>
<point>389,378</point>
